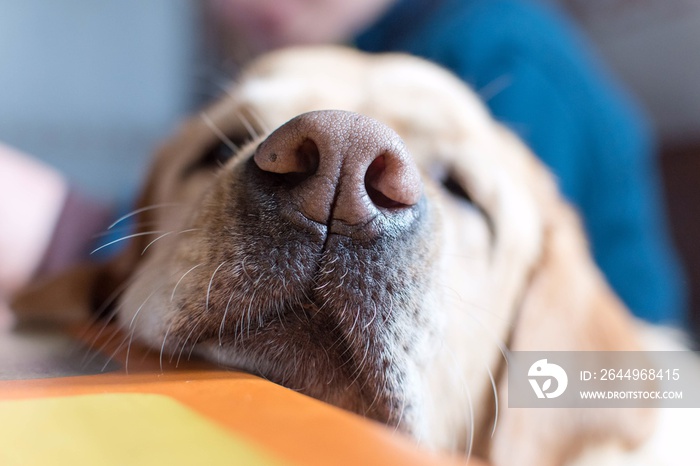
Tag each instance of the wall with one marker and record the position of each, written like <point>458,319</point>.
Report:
<point>92,86</point>
<point>654,46</point>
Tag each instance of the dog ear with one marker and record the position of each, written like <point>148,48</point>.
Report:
<point>70,297</point>
<point>86,290</point>
<point>80,293</point>
<point>567,306</point>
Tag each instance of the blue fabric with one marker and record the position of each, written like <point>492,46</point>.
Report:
<point>538,76</point>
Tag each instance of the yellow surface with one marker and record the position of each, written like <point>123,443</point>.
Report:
<point>116,429</point>
<point>150,410</point>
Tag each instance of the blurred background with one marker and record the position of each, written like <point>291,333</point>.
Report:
<point>654,47</point>
<point>92,87</point>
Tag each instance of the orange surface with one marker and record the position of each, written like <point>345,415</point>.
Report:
<point>289,426</point>
<point>100,430</point>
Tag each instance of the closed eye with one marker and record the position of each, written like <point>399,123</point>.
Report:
<point>456,189</point>
<point>217,155</point>
<point>220,153</point>
<point>452,186</point>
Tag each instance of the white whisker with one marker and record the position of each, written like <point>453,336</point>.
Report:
<point>124,229</point>
<point>149,244</point>
<point>194,344</point>
<point>495,400</point>
<point>495,87</point>
<point>132,329</point>
<point>502,347</point>
<point>467,393</point>
<point>142,209</point>
<point>223,319</point>
<point>184,344</point>
<point>143,233</point>
<point>206,307</point>
<point>220,134</point>
<point>259,120</point>
<point>172,295</point>
<point>97,314</point>
<point>248,127</point>
<point>162,347</point>
<point>248,314</point>
<point>167,234</point>
<point>114,353</point>
<point>189,230</point>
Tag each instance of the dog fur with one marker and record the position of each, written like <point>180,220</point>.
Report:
<point>411,331</point>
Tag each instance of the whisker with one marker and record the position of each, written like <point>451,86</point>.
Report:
<point>124,229</point>
<point>108,319</point>
<point>495,87</point>
<point>224,85</point>
<point>132,328</point>
<point>162,347</point>
<point>249,312</point>
<point>114,353</point>
<point>184,344</point>
<point>194,344</point>
<point>400,419</point>
<point>368,409</point>
<point>167,234</point>
<point>92,352</point>
<point>495,400</point>
<point>374,316</point>
<point>144,233</point>
<point>220,134</point>
<point>259,120</point>
<point>223,319</point>
<point>467,392</point>
<point>253,114</point>
<point>189,230</point>
<point>503,348</point>
<point>159,237</point>
<point>471,422</point>
<point>354,322</point>
<point>206,307</point>
<point>142,209</point>
<point>172,295</point>
<point>248,127</point>
<point>358,369</point>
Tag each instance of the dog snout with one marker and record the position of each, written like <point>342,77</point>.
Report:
<point>340,167</point>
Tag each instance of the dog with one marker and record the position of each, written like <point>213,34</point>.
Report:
<point>359,229</point>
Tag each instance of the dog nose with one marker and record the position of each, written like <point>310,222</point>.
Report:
<point>337,166</point>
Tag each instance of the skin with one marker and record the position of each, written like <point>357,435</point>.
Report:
<point>27,226</point>
<point>255,26</point>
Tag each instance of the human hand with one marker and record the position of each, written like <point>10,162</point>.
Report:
<point>31,198</point>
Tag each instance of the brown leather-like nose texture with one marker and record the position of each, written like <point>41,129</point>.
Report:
<point>341,166</point>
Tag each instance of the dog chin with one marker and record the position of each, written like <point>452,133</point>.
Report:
<point>391,398</point>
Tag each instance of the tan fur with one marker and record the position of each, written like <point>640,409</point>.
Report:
<point>514,271</point>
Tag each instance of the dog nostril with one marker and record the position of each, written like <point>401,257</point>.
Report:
<point>390,182</point>
<point>337,168</point>
<point>303,159</point>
